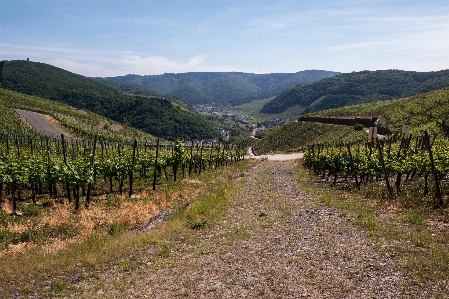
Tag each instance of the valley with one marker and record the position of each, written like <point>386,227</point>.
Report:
<point>308,209</point>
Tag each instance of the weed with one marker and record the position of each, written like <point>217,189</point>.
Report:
<point>367,219</point>
<point>30,210</point>
<point>115,228</point>
<point>197,224</point>
<point>415,217</point>
<point>232,282</point>
<point>124,265</point>
<point>113,201</point>
<point>164,252</point>
<point>312,281</point>
<point>58,285</point>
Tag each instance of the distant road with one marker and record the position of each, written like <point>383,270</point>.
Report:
<point>41,124</point>
<point>276,157</point>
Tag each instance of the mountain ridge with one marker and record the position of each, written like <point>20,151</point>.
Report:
<point>223,88</point>
<point>355,88</point>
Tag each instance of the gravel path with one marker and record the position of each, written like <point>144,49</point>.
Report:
<point>39,123</point>
<point>274,242</point>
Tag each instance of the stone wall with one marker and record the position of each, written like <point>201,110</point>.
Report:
<point>344,121</point>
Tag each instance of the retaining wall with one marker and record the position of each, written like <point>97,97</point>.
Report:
<point>366,122</point>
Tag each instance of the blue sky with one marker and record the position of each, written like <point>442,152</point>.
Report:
<point>115,37</point>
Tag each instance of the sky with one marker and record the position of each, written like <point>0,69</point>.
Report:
<point>116,37</point>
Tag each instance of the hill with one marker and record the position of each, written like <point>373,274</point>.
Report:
<point>155,115</point>
<point>356,88</point>
<point>223,88</point>
<point>130,88</point>
<point>78,123</point>
<point>295,136</point>
<point>424,111</point>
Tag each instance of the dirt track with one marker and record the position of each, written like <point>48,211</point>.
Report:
<point>274,242</point>
<point>276,157</point>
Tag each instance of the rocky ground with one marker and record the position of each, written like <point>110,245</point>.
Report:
<point>274,242</point>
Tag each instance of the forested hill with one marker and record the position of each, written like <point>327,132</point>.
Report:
<point>355,88</point>
<point>130,88</point>
<point>152,114</point>
<point>223,88</point>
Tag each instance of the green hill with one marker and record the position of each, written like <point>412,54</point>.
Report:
<point>294,136</point>
<point>78,123</point>
<point>356,88</point>
<point>223,88</point>
<point>155,115</point>
<point>424,111</point>
<point>130,88</point>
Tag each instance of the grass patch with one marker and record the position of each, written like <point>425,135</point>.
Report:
<point>197,224</point>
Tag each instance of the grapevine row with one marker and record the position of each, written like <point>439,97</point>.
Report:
<point>401,162</point>
<point>46,166</point>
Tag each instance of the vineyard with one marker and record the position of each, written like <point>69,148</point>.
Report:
<point>423,112</point>
<point>32,167</point>
<point>295,136</point>
<point>83,124</point>
<point>397,163</point>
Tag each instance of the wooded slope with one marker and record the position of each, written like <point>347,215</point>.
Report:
<point>223,88</point>
<point>355,88</point>
<point>153,114</point>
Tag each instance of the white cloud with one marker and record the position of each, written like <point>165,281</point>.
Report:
<point>133,64</point>
<point>85,69</point>
<point>106,64</point>
<point>153,65</point>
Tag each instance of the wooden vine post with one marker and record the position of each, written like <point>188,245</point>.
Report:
<point>90,184</point>
<point>155,165</point>
<point>191,159</point>
<point>50,186</point>
<point>64,153</point>
<point>354,172</point>
<point>131,174</point>
<point>382,162</point>
<point>33,184</point>
<point>201,157</point>
<point>438,197</point>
